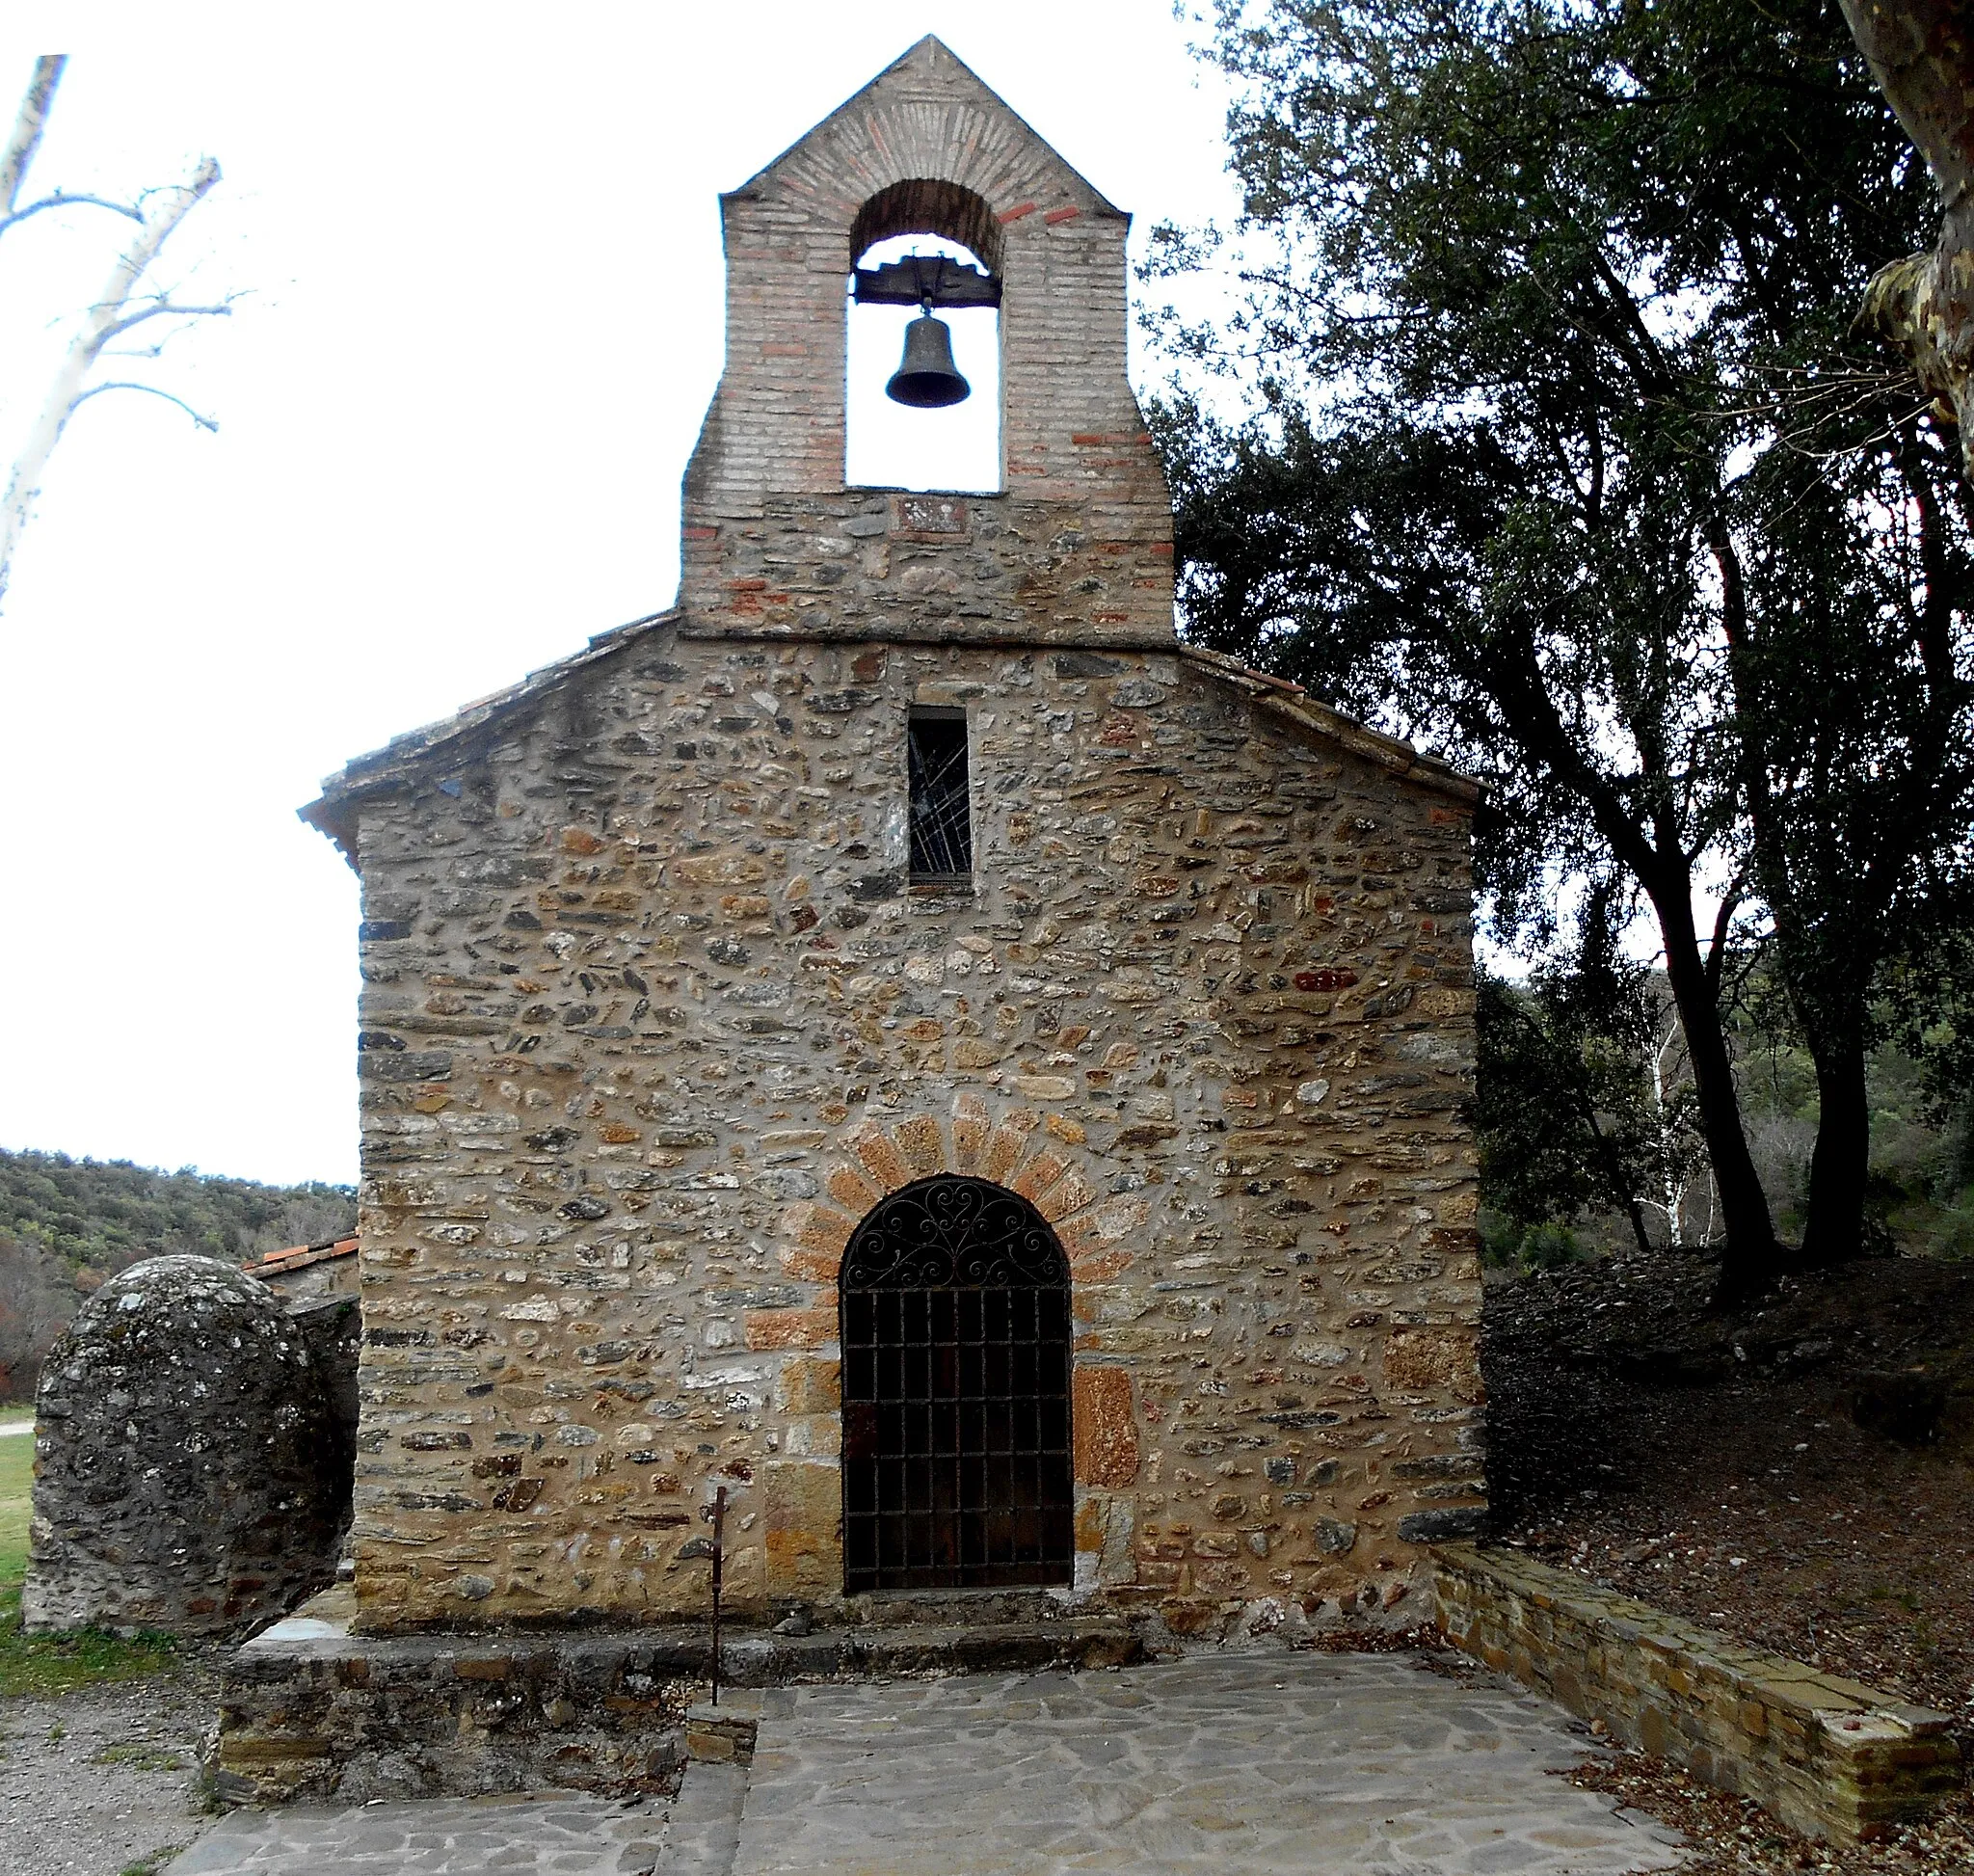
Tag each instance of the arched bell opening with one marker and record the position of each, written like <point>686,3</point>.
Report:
<point>927,205</point>
<point>956,1393</point>
<point>922,403</point>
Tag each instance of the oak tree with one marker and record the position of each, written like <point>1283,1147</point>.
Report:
<point>1564,456</point>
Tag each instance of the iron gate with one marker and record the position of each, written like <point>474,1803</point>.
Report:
<point>956,1362</point>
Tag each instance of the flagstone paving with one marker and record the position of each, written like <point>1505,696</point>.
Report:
<point>1252,1762</point>
<point>1261,1762</point>
<point>567,1833</point>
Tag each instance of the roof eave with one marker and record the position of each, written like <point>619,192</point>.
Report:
<point>403,758</point>
<point>1289,701</point>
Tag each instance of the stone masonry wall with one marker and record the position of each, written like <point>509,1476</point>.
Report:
<point>191,1472</point>
<point>651,1015</point>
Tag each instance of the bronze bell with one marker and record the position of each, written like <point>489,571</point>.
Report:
<point>926,379</point>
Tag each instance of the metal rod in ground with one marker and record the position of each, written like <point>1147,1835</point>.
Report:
<point>719,1534</point>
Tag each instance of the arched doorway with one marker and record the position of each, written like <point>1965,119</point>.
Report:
<point>956,1360</point>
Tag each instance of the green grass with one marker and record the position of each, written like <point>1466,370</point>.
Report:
<point>40,1664</point>
<point>152,1864</point>
<point>17,1482</point>
<point>144,1757</point>
<point>35,1666</point>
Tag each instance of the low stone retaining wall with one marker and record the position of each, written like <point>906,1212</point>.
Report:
<point>309,1710</point>
<point>1829,1756</point>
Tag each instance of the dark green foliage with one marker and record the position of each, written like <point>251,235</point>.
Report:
<point>1507,1246</point>
<point>1566,1113</point>
<point>1927,1011</point>
<point>109,1212</point>
<point>1567,462</point>
<point>1548,1248</point>
<point>64,1225</point>
<point>1920,1192</point>
<point>1575,1043</point>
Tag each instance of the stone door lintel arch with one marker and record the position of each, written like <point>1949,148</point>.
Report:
<point>1043,1158</point>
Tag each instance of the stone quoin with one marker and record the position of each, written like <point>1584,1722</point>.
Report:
<point>657,1008</point>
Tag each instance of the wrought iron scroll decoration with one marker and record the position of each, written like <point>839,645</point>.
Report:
<point>955,1318</point>
<point>944,1232</point>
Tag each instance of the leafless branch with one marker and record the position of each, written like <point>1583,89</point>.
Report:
<point>26,140</point>
<point>105,320</point>
<point>62,199</point>
<point>164,306</point>
<point>204,421</point>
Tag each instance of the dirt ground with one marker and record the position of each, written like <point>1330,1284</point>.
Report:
<point>1712,1466</point>
<point>103,1779</point>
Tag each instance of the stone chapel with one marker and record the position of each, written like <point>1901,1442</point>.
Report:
<point>903,1037</point>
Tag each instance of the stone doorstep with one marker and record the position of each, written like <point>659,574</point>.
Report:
<point>947,1608</point>
<point>319,1631</point>
<point>1828,1756</point>
<point>724,1734</point>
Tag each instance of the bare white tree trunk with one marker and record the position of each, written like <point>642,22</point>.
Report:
<point>1678,1181</point>
<point>124,304</point>
<point>1676,1185</point>
<point>20,154</point>
<point>27,131</point>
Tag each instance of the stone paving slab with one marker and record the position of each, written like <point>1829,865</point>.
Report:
<point>1265,1762</point>
<point>1302,1764</point>
<point>705,1829</point>
<point>568,1835</point>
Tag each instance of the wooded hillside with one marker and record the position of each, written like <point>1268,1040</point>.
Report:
<point>65,1224</point>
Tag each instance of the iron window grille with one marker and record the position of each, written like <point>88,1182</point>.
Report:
<point>938,792</point>
<point>956,1411</point>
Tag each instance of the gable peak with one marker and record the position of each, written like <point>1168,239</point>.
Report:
<point>928,72</point>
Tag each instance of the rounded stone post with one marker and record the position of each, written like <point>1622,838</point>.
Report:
<point>191,1470</point>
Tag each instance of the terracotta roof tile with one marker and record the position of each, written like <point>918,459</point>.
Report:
<point>275,1262</point>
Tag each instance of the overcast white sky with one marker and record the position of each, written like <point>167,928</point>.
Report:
<point>483,245</point>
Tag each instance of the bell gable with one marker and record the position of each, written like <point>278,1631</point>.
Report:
<point>1078,544</point>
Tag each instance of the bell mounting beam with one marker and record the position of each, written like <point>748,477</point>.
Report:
<point>926,280</point>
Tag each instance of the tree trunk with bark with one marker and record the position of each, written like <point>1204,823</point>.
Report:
<point>1749,1259</point>
<point>1650,848</point>
<point>1922,54</point>
<point>1840,1164</point>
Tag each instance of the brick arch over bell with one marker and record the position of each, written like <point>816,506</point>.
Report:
<point>926,147</point>
<point>927,206</point>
